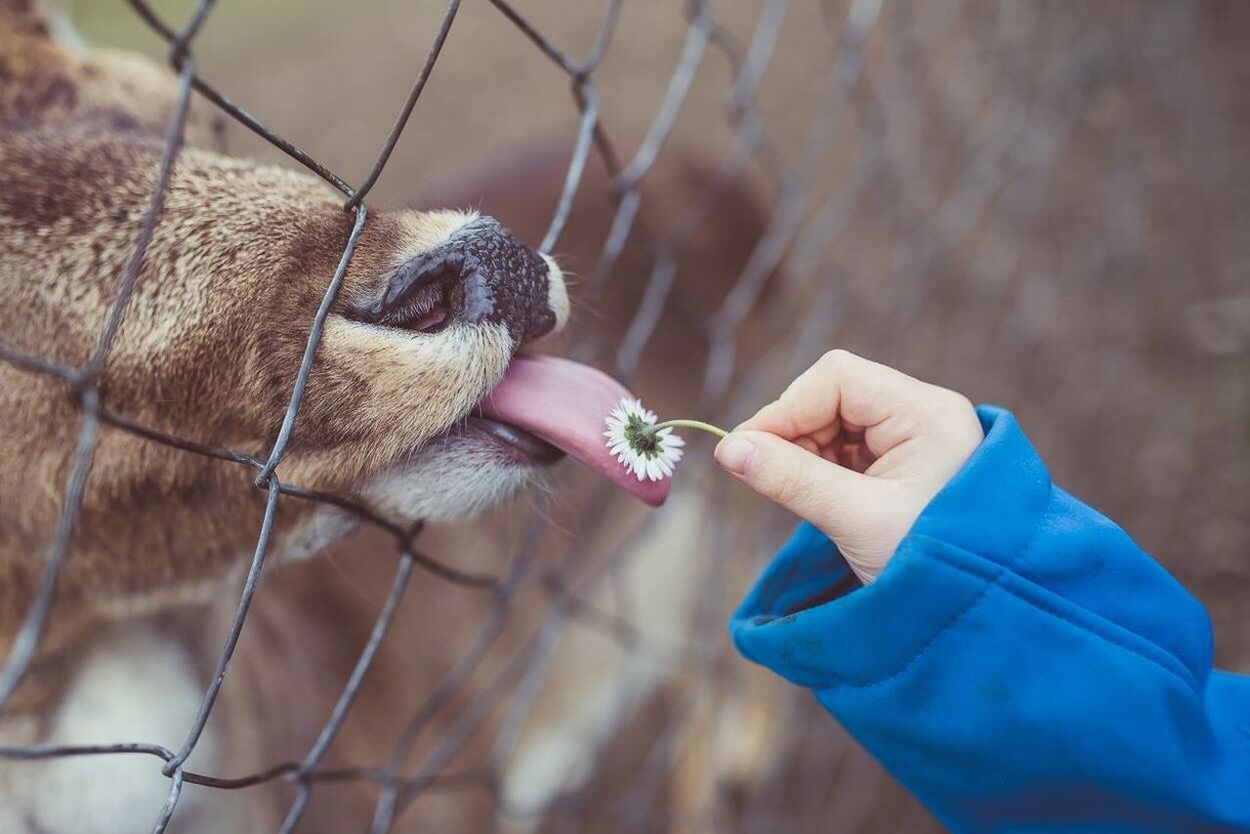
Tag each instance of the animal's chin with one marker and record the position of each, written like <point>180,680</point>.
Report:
<point>458,474</point>
<point>475,465</point>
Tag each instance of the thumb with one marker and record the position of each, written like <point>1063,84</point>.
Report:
<point>811,487</point>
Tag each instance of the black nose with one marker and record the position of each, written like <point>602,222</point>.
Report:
<point>481,274</point>
<point>505,280</point>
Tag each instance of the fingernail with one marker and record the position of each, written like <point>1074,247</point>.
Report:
<point>734,453</point>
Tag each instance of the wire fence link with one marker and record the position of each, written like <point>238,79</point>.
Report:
<point>921,215</point>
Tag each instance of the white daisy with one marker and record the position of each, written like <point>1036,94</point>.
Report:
<point>637,445</point>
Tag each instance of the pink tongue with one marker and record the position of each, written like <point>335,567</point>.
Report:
<point>566,403</point>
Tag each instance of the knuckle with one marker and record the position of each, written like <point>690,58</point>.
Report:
<point>954,415</point>
<point>939,401</point>
<point>783,484</point>
<point>957,404</point>
<point>837,358</point>
<point>792,484</point>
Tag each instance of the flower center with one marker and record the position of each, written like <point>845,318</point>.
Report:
<point>641,436</point>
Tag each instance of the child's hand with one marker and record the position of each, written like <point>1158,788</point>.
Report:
<point>857,449</point>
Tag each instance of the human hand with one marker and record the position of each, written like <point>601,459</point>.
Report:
<point>857,449</point>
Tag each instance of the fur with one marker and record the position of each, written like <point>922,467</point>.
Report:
<point>208,351</point>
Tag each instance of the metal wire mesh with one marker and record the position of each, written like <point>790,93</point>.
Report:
<point>914,218</point>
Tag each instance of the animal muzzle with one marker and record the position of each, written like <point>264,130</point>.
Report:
<point>480,274</point>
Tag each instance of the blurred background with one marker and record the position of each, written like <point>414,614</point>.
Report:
<point>1044,205</point>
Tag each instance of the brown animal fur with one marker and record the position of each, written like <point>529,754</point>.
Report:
<point>210,345</point>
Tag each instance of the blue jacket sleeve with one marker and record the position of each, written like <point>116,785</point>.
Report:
<point>1020,665</point>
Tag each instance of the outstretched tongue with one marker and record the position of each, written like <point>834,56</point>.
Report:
<point>566,403</point>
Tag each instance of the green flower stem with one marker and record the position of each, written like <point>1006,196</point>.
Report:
<point>689,424</point>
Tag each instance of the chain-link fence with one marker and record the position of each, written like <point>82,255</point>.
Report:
<point>1036,204</point>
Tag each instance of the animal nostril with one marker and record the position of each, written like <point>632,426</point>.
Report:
<point>480,274</point>
<point>542,324</point>
<point>419,296</point>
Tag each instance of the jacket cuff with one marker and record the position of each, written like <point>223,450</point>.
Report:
<point>809,620</point>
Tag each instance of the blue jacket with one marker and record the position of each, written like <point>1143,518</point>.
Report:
<point>1020,665</point>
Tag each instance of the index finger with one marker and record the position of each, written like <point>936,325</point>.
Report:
<point>839,386</point>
